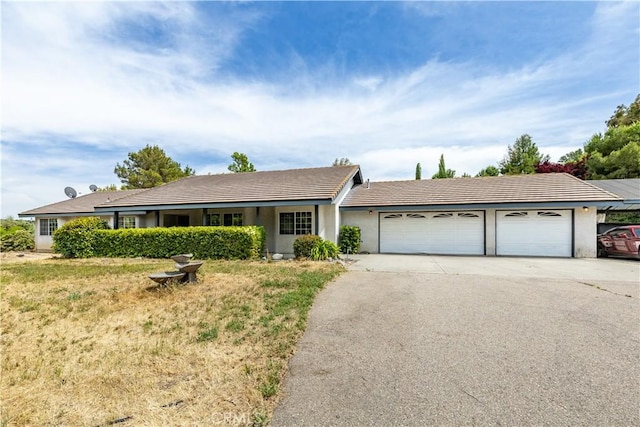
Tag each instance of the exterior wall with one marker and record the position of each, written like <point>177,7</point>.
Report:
<point>368,223</point>
<point>328,222</point>
<point>584,233</point>
<point>268,221</point>
<point>490,232</point>
<point>284,242</point>
<point>45,243</point>
<point>146,221</point>
<point>332,215</point>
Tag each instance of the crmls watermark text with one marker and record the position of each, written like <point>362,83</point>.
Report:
<point>231,419</point>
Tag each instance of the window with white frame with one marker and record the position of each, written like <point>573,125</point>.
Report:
<point>297,223</point>
<point>48,226</point>
<point>227,219</point>
<point>127,222</point>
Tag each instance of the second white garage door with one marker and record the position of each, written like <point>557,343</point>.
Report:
<point>534,233</point>
<point>455,233</point>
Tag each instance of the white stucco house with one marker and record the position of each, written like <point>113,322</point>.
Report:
<point>518,215</point>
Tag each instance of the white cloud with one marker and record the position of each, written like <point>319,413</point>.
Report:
<point>68,75</point>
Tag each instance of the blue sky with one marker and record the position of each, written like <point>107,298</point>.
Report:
<point>298,84</point>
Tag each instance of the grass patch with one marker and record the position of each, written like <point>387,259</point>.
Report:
<point>86,342</point>
<point>208,334</point>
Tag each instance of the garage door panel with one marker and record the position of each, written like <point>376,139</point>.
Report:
<point>534,233</point>
<point>433,233</point>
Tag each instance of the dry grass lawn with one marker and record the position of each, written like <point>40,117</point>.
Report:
<point>96,343</point>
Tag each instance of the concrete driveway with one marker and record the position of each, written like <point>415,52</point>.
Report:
<point>421,340</point>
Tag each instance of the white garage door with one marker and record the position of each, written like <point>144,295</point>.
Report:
<point>459,233</point>
<point>534,233</point>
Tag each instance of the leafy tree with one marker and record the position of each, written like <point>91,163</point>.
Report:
<point>9,225</point>
<point>625,116</point>
<point>241,163</point>
<point>616,154</point>
<point>418,171</point>
<point>572,156</point>
<point>110,187</point>
<point>148,168</point>
<point>577,168</point>
<point>522,157</point>
<point>618,217</point>
<point>443,172</point>
<point>343,161</point>
<point>489,171</point>
<point>465,175</point>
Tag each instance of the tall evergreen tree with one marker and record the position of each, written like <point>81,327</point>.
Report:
<point>241,163</point>
<point>148,168</point>
<point>522,157</point>
<point>418,171</point>
<point>342,161</point>
<point>489,171</point>
<point>443,172</point>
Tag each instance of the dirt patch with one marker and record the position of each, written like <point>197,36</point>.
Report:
<point>26,256</point>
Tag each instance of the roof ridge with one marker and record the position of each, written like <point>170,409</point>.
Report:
<point>271,171</point>
<point>514,176</point>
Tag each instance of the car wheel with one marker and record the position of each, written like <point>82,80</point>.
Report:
<point>602,253</point>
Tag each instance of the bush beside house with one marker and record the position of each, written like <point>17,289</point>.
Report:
<point>16,235</point>
<point>85,237</point>
<point>314,247</point>
<point>349,239</point>
<point>303,245</point>
<point>77,238</point>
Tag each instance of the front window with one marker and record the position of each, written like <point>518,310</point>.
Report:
<point>127,222</point>
<point>48,226</point>
<point>227,219</point>
<point>298,223</point>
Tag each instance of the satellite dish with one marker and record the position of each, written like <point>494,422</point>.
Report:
<point>93,188</point>
<point>70,192</point>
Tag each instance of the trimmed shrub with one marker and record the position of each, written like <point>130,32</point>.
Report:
<point>303,245</point>
<point>17,240</point>
<point>324,249</point>
<point>77,238</point>
<point>203,242</point>
<point>349,239</point>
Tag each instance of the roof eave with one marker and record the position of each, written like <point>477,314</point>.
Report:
<point>508,205</point>
<point>298,202</point>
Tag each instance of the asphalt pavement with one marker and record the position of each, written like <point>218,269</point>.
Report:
<point>418,341</point>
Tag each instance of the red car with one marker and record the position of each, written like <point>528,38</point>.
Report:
<point>620,241</point>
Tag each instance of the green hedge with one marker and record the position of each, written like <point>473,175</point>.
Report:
<point>17,240</point>
<point>203,242</point>
<point>77,238</point>
<point>89,237</point>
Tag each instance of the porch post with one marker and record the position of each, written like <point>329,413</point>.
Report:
<point>116,219</point>
<point>157,218</point>
<point>316,219</point>
<point>258,221</point>
<point>205,217</point>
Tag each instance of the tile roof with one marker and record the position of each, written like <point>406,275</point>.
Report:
<point>80,205</point>
<point>322,183</point>
<point>628,189</point>
<point>537,188</point>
